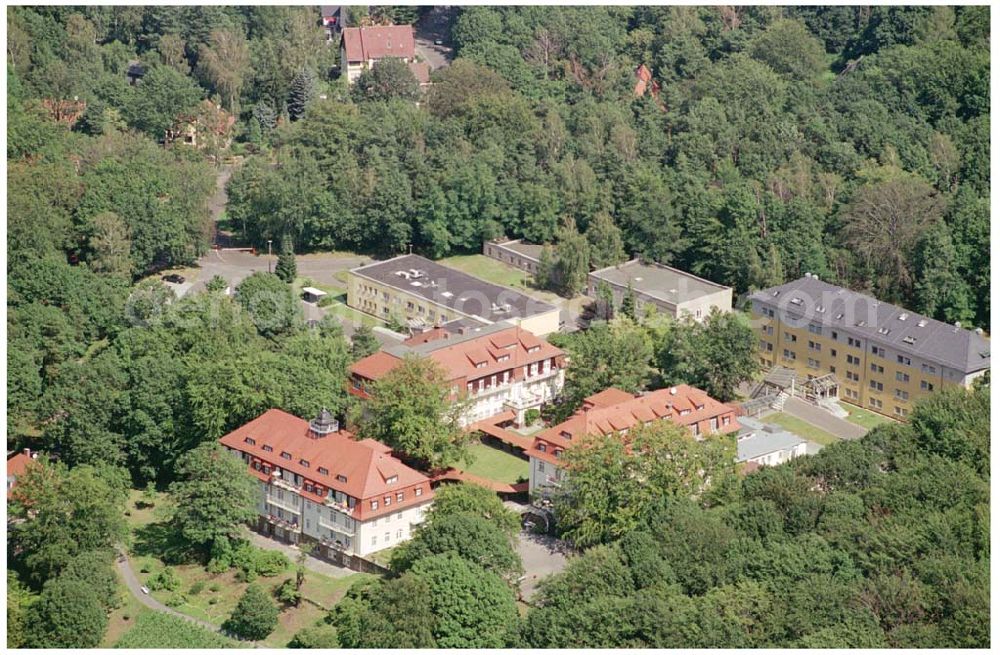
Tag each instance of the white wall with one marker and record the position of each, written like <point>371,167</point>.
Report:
<point>398,525</point>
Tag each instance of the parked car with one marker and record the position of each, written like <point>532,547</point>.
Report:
<point>174,278</point>
<point>145,590</point>
<point>438,42</point>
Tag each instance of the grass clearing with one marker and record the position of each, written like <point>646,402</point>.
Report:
<point>807,431</point>
<point>496,464</point>
<point>863,417</point>
<point>220,592</point>
<point>122,619</point>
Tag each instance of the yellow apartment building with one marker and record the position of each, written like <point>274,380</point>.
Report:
<point>884,358</point>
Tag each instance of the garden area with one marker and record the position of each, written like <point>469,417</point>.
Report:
<point>211,593</point>
<point>806,430</point>
<point>496,464</point>
<point>863,417</point>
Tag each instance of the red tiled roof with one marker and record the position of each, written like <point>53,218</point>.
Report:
<point>16,467</point>
<point>459,359</point>
<point>613,410</point>
<point>367,465</point>
<point>364,43</point>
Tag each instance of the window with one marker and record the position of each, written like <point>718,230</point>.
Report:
<point>391,480</point>
<point>833,352</point>
<point>814,345</point>
<point>903,360</point>
<point>815,329</point>
<point>788,354</point>
<point>267,449</point>
<point>902,395</point>
<point>387,501</point>
<point>813,363</point>
<point>902,377</point>
<point>419,491</point>
<point>541,466</point>
<point>877,369</point>
<point>374,540</point>
<point>399,517</point>
<point>900,411</point>
<point>926,386</point>
<point>833,335</point>
<point>323,471</point>
<point>542,447</point>
<point>927,368</point>
<point>855,343</point>
<point>285,455</point>
<point>250,441</point>
<point>833,369</point>
<point>875,385</point>
<point>878,351</point>
<point>342,478</point>
<point>386,537</point>
<point>875,402</point>
<point>374,504</point>
<point>399,497</point>
<point>854,361</point>
<point>791,337</point>
<point>307,523</point>
<point>714,424</point>
<point>304,463</point>
<point>399,534</point>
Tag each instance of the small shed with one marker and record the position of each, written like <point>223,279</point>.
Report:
<point>312,294</point>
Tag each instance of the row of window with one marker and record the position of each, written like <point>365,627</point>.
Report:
<point>387,500</point>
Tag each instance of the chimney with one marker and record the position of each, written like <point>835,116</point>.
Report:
<point>27,452</point>
<point>673,391</point>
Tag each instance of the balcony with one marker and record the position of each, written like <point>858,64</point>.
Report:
<point>283,504</point>
<point>325,524</point>
<point>285,523</point>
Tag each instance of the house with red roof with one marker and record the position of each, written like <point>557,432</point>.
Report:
<point>500,368</point>
<point>615,412</point>
<point>320,484</point>
<point>361,47</point>
<point>16,467</point>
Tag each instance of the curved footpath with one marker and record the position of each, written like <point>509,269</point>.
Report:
<point>132,582</point>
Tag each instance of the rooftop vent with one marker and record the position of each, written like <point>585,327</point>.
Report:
<point>638,279</point>
<point>416,272</point>
<point>883,330</point>
<point>447,294</point>
<point>775,293</point>
<point>904,316</point>
<point>323,424</point>
<point>922,322</point>
<point>840,316</point>
<point>673,391</point>
<point>403,274</point>
<point>821,309</point>
<point>909,340</point>
<point>796,301</point>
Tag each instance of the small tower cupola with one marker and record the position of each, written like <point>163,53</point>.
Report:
<point>323,424</point>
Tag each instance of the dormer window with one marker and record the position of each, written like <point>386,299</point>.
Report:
<point>565,435</point>
<point>267,449</point>
<point>374,504</point>
<point>341,478</point>
<point>323,471</point>
<point>534,349</point>
<point>503,358</point>
<point>700,407</point>
<point>304,463</point>
<point>685,412</point>
<point>542,447</point>
<point>392,479</point>
<point>481,365</point>
<point>286,455</point>
<point>250,440</point>
<point>557,452</point>
<point>909,341</point>
<point>387,500</point>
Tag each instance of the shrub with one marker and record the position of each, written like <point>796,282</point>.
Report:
<point>288,593</point>
<point>214,587</point>
<point>317,636</point>
<point>270,563</point>
<point>197,588</point>
<point>254,617</point>
<point>146,568</point>
<point>176,600</point>
<point>165,579</point>
<point>531,416</point>
<point>326,301</point>
<point>213,600</point>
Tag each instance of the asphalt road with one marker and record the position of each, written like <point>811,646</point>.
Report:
<point>135,588</point>
<point>432,27</point>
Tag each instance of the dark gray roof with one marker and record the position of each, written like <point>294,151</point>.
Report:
<point>860,315</point>
<point>529,250</point>
<point>454,289</point>
<point>658,281</point>
<point>758,439</point>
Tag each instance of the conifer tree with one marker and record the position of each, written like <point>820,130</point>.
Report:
<point>286,268</point>
<point>303,89</point>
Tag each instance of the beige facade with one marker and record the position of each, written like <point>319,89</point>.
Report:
<point>873,370</point>
<point>443,295</point>
<point>514,252</point>
<point>670,291</point>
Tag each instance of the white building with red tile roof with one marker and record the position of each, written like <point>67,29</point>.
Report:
<point>17,465</point>
<point>319,483</point>
<point>499,368</point>
<point>615,412</point>
<point>361,47</point>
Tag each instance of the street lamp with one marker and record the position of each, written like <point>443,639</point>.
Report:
<point>268,255</point>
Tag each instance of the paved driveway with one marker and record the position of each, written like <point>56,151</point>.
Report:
<point>433,27</point>
<point>823,419</point>
<point>135,588</point>
<point>314,564</point>
<point>541,556</point>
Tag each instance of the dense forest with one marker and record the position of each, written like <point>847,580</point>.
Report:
<point>851,142</point>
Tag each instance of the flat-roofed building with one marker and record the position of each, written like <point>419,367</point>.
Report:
<point>320,484</point>
<point>498,368</point>
<point>514,252</point>
<point>671,291</point>
<point>426,294</point>
<point>766,444</point>
<point>614,412</point>
<point>883,357</point>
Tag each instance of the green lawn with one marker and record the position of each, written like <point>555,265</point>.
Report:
<point>807,431</point>
<point>488,269</point>
<point>495,464</point>
<point>220,592</point>
<point>863,417</point>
